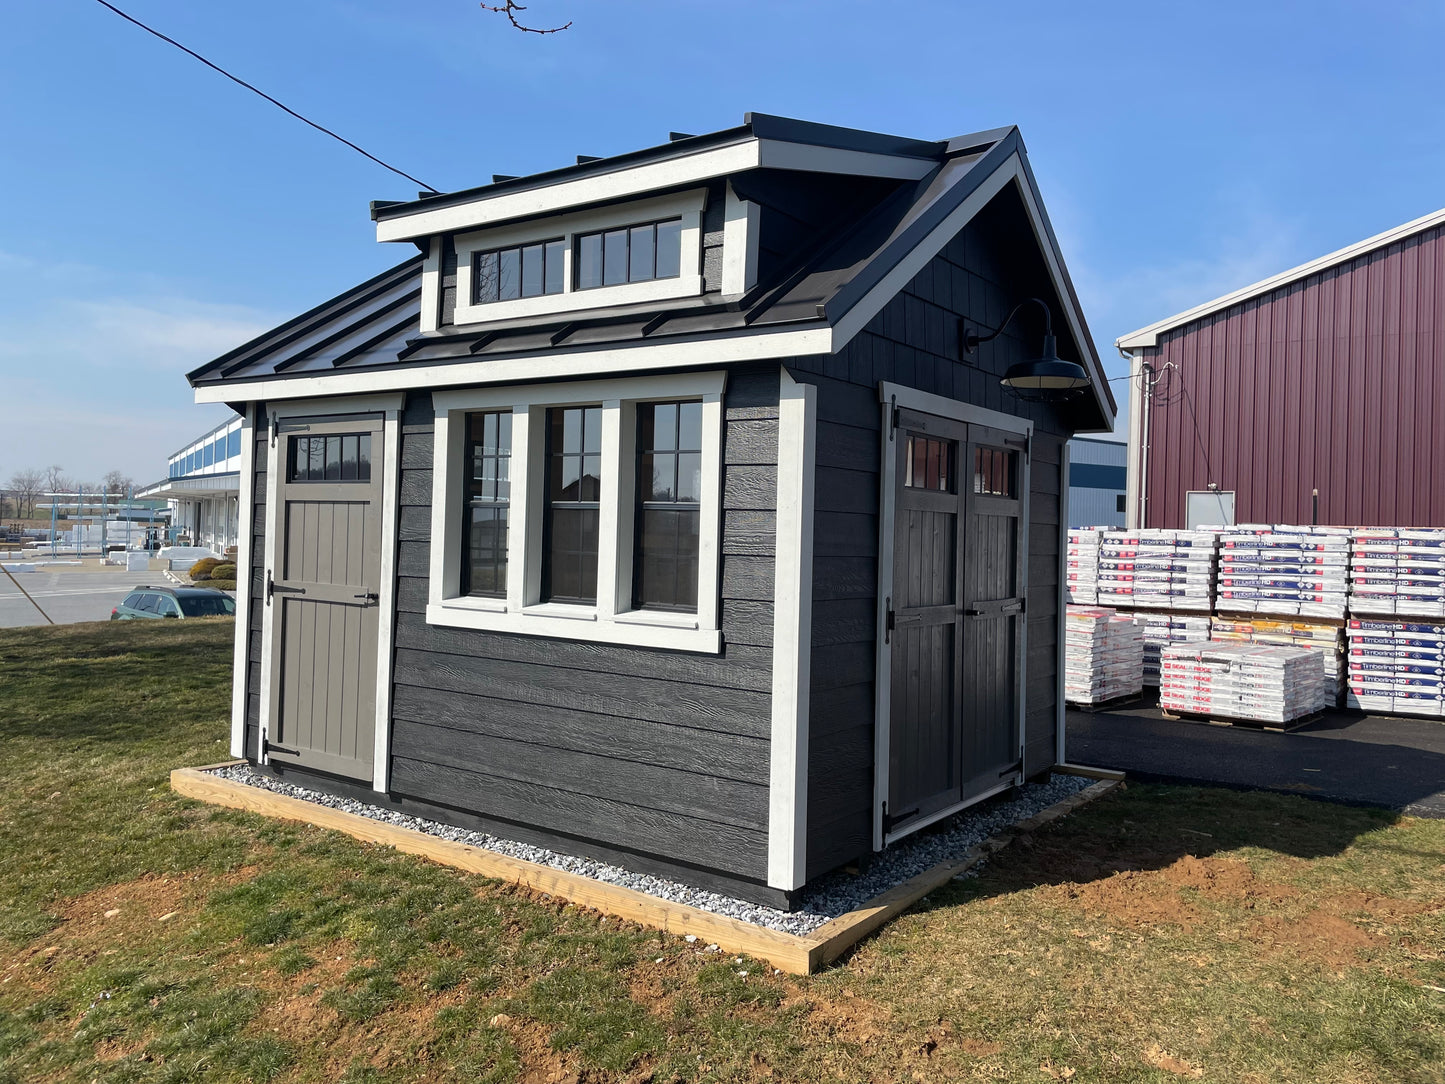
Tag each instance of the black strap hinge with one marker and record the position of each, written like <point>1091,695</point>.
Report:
<point>268,747</point>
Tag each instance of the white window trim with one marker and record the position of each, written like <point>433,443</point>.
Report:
<point>689,282</point>
<point>611,620</point>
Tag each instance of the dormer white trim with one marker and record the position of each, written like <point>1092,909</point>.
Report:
<point>628,181</point>
<point>689,283</point>
<point>740,246</point>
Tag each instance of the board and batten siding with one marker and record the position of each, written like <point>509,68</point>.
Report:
<point>913,341</point>
<point>604,748</point>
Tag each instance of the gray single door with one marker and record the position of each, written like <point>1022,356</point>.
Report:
<point>954,617</point>
<point>324,595</point>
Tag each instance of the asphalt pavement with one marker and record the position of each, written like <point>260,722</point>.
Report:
<point>1394,762</point>
<point>68,593</point>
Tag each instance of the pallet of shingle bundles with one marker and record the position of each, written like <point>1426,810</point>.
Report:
<point>1396,667</point>
<point>1081,565</point>
<point>1241,682</point>
<point>1291,632</point>
<point>1157,569</point>
<point>1284,569</point>
<point>1103,655</point>
<point>1398,571</point>
<point>1159,630</point>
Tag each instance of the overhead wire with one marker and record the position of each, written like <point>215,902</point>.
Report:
<point>256,90</point>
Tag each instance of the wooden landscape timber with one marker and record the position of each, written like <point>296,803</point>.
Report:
<point>798,955</point>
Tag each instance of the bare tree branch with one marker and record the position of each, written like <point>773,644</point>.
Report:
<point>509,8</point>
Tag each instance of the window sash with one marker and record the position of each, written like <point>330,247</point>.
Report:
<point>620,255</point>
<point>667,506</point>
<point>572,521</point>
<point>486,497</point>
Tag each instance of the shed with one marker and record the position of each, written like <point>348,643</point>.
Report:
<point>658,511</point>
<point>1314,396</point>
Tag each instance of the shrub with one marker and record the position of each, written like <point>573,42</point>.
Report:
<point>224,571</point>
<point>221,585</point>
<point>201,570</point>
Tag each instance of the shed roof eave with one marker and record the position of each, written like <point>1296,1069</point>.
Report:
<point>1149,336</point>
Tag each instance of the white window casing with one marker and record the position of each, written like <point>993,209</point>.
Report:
<point>689,282</point>
<point>612,619</point>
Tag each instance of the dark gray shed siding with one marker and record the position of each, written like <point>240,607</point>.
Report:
<point>658,753</point>
<point>913,341</point>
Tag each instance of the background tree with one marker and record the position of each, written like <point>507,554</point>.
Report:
<point>117,482</point>
<point>25,486</point>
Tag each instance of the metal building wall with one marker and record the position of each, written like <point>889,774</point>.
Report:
<point>1335,382</point>
<point>1096,482</point>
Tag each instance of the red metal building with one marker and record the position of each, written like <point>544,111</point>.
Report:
<point>1328,378</point>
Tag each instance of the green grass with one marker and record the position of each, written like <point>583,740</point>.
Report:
<point>1159,933</point>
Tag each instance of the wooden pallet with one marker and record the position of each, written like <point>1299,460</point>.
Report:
<point>1262,615</point>
<point>1128,700</point>
<point>1246,724</point>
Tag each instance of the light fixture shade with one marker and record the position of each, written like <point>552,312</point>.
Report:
<point>1046,375</point>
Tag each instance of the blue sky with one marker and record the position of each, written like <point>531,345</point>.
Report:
<point>157,215</point>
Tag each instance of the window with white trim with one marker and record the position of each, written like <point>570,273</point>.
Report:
<point>645,250</point>
<point>589,510</point>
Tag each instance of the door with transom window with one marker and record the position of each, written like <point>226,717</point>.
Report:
<point>954,621</point>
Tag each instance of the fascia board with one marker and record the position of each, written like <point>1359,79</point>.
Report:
<point>1149,336</point>
<point>627,181</point>
<point>704,352</point>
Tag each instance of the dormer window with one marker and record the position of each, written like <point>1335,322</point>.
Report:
<point>632,254</point>
<point>645,250</point>
<point>507,274</point>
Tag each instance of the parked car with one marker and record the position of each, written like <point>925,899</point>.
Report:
<point>146,602</point>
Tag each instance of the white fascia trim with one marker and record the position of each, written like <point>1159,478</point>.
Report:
<point>611,620</point>
<point>890,397</point>
<point>740,245</point>
<point>240,668</point>
<point>689,283</point>
<point>792,636</point>
<point>867,307</point>
<point>627,181</point>
<point>1149,336</point>
<point>702,352</point>
<point>431,286</point>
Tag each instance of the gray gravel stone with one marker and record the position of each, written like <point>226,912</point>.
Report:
<point>826,898</point>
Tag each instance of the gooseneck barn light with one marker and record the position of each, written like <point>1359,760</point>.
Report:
<point>1047,376</point>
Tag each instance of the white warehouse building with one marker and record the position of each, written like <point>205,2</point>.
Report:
<point>203,489</point>
<point>1098,470</point>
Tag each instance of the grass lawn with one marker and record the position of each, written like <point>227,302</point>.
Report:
<point>1161,934</point>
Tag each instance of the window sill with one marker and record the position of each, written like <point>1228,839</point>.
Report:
<point>600,297</point>
<point>674,632</point>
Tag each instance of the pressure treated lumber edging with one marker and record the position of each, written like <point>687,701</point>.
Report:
<point>799,955</point>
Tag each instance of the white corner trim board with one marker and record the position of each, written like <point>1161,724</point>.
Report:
<point>792,635</point>
<point>431,286</point>
<point>386,626</point>
<point>245,525</point>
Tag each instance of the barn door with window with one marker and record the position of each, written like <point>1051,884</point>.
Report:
<point>322,594</point>
<point>953,622</point>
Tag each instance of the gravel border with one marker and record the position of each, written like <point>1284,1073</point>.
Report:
<point>824,899</point>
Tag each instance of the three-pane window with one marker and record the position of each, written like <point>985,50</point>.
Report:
<point>574,491</point>
<point>669,509</point>
<point>488,503</point>
<point>507,274</point>
<point>640,253</point>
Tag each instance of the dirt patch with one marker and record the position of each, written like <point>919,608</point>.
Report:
<point>1160,1058</point>
<point>540,1063</point>
<point>1317,936</point>
<point>1378,907</point>
<point>1129,899</point>
<point>1224,879</point>
<point>851,1019</point>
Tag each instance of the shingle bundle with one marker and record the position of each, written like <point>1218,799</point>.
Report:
<point>1157,569</point>
<point>1285,570</point>
<point>1103,655</point>
<point>1251,682</point>
<point>1159,630</point>
<point>1312,635</point>
<point>1081,565</point>
<point>1398,571</point>
<point>1396,667</point>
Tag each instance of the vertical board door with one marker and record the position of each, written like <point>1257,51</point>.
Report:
<point>955,616</point>
<point>324,593</point>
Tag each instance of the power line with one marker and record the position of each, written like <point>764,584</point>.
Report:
<point>262,93</point>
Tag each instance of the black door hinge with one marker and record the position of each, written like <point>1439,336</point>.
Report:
<point>890,821</point>
<point>888,619</point>
<point>892,416</point>
<point>275,428</point>
<point>268,746</point>
<point>1014,768</point>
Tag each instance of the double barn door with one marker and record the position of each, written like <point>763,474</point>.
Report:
<point>955,620</point>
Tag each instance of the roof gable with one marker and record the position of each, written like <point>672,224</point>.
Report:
<point>1149,336</point>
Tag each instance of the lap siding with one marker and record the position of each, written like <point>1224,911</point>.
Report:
<point>655,752</point>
